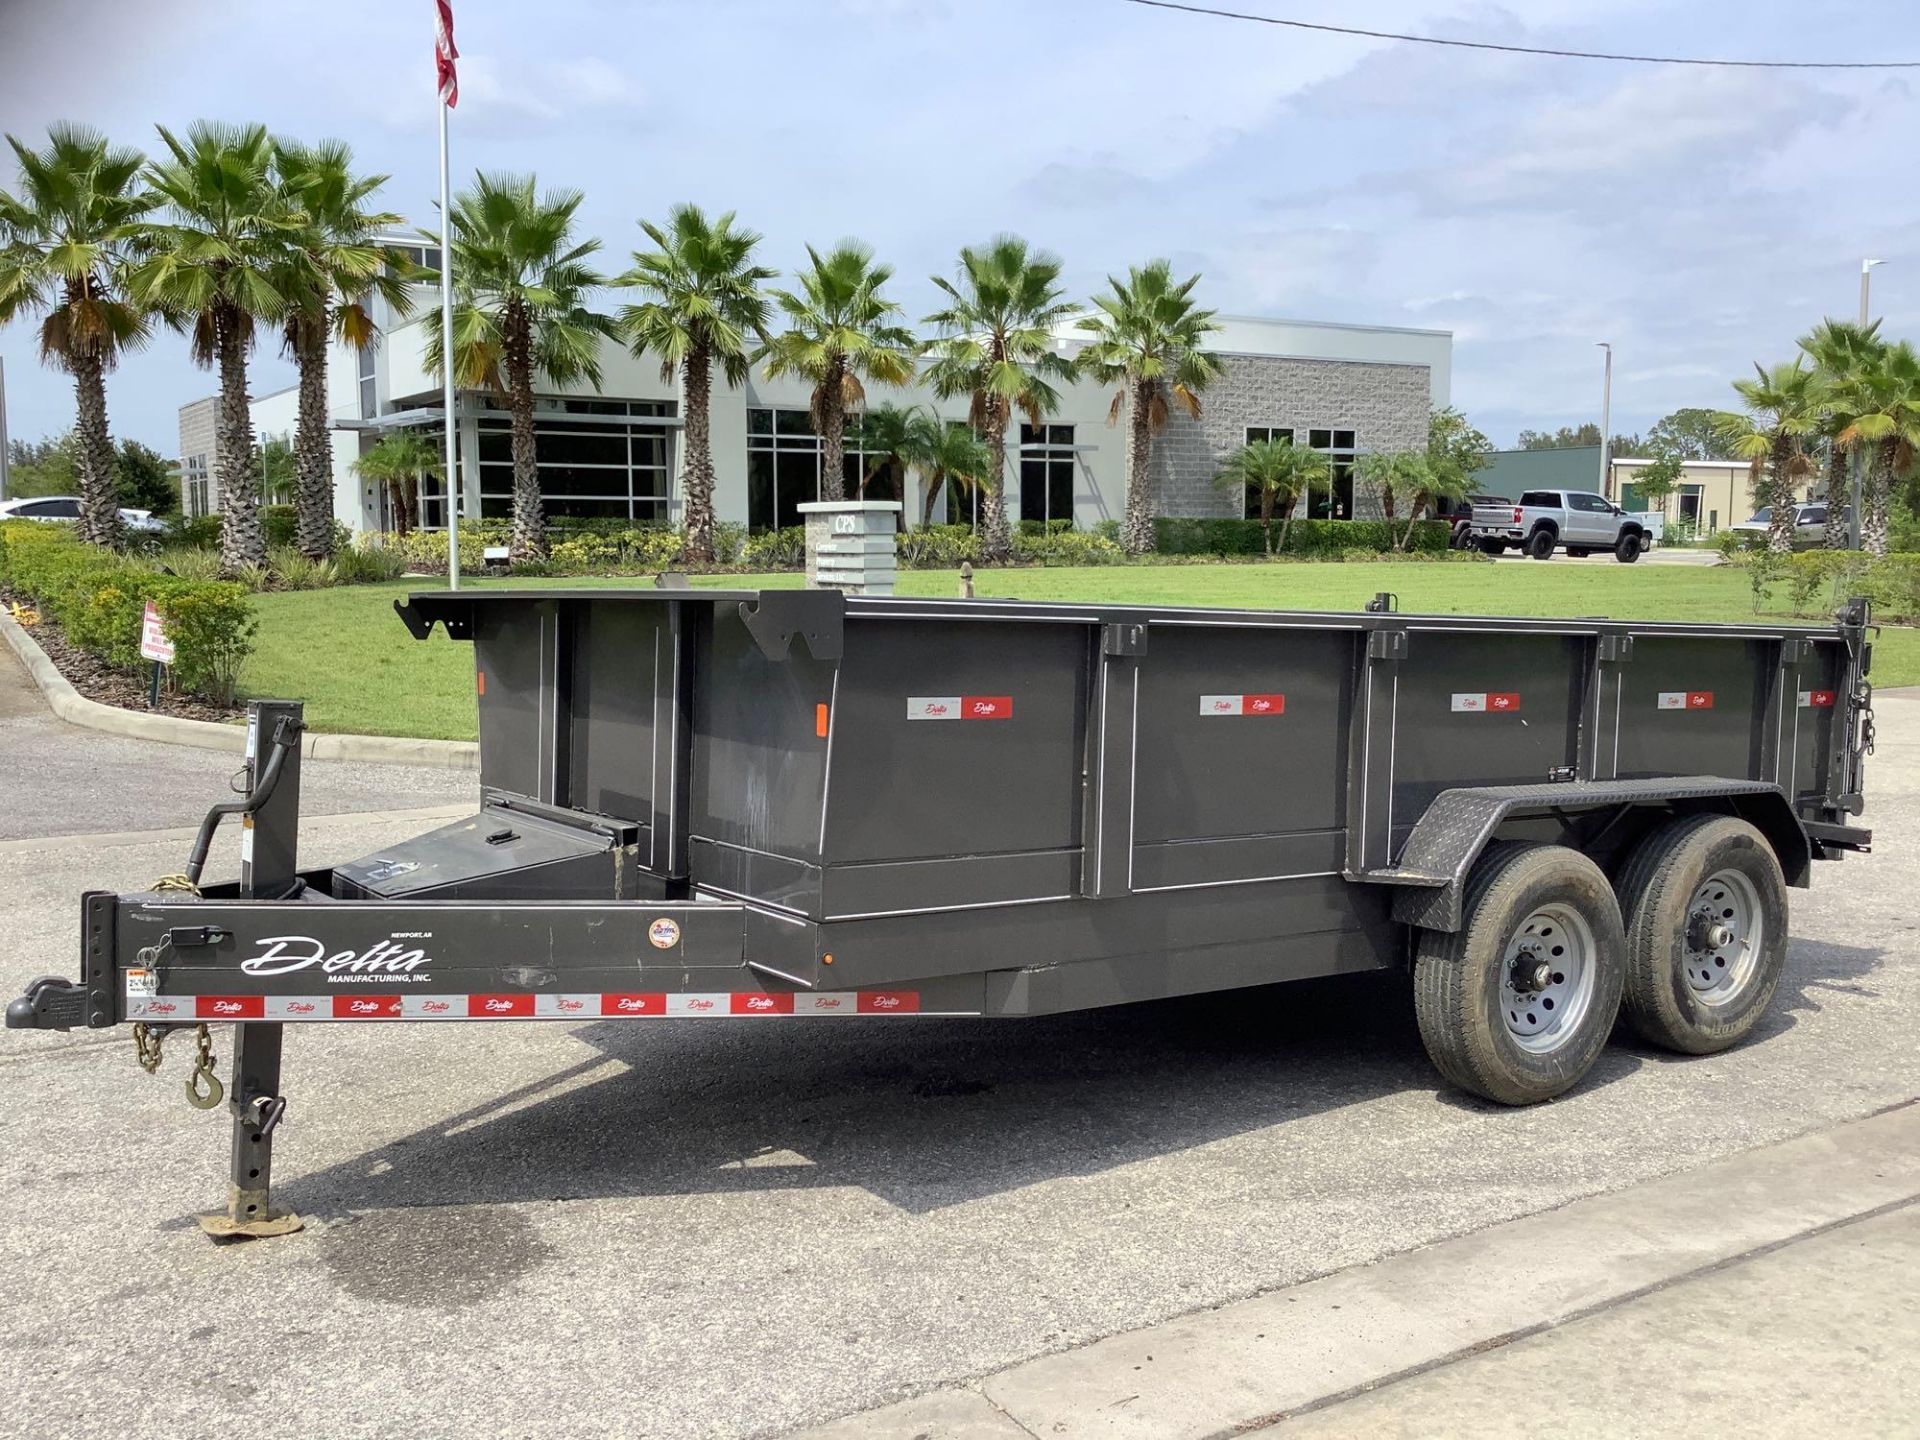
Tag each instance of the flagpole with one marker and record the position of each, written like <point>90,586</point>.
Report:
<point>446,357</point>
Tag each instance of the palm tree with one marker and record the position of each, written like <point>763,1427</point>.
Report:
<point>1838,350</point>
<point>1882,396</point>
<point>1784,406</point>
<point>1276,474</point>
<point>889,437</point>
<point>520,282</point>
<point>1146,340</point>
<point>952,456</point>
<point>704,307</point>
<point>63,254</point>
<point>334,271</point>
<point>215,267</point>
<point>398,463</point>
<point>841,333</point>
<point>996,348</point>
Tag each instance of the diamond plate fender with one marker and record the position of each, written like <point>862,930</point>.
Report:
<point>1432,867</point>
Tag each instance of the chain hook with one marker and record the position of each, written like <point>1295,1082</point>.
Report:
<point>202,1075</point>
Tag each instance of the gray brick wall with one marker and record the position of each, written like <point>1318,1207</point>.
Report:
<point>1385,406</point>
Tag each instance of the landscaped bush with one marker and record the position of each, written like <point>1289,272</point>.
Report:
<point>775,549</point>
<point>938,547</point>
<point>1893,584</point>
<point>1067,547</point>
<point>98,599</point>
<point>1319,538</point>
<point>369,560</point>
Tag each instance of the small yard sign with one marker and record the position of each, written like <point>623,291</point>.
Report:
<point>154,644</point>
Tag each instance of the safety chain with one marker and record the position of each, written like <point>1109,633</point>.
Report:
<point>204,1090</point>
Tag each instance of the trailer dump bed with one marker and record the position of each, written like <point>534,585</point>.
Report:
<point>787,803</point>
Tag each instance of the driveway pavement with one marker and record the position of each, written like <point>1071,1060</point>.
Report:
<point>727,1229</point>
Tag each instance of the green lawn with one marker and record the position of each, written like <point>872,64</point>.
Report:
<point>346,654</point>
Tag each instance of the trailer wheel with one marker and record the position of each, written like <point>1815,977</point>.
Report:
<point>1516,1005</point>
<point>1627,548</point>
<point>1540,544</point>
<point>1706,923</point>
<point>1578,552</point>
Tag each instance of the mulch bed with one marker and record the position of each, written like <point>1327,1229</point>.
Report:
<point>99,681</point>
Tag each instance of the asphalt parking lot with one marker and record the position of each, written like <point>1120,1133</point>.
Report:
<point>708,1229</point>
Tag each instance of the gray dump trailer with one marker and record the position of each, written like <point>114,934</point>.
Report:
<point>798,805</point>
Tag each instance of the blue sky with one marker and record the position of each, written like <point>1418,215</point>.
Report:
<point>1698,219</point>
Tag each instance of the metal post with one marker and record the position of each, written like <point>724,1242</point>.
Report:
<point>1858,465</point>
<point>268,871</point>
<point>446,358</point>
<point>1606,423</point>
<point>6,468</point>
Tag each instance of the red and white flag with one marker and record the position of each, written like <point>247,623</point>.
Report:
<point>444,54</point>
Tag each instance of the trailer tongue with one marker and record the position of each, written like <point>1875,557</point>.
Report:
<point>790,804</point>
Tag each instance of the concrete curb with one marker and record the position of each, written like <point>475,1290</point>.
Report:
<point>71,706</point>
<point>1228,1371</point>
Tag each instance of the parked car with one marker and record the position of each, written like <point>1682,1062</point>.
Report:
<point>67,507</point>
<point>1460,514</point>
<point>1578,521</point>
<point>1809,523</point>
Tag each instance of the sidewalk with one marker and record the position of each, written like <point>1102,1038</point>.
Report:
<point>1766,1293</point>
<point>1815,1338</point>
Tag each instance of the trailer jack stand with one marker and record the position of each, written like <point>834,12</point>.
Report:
<point>257,1110</point>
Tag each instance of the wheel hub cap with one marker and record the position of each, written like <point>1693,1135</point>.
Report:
<point>1548,979</point>
<point>1725,932</point>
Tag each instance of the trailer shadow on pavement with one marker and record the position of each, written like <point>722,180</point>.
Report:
<point>940,1112</point>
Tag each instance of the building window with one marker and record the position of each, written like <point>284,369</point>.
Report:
<point>783,467</point>
<point>616,469</point>
<point>1046,473</point>
<point>198,499</point>
<point>369,392</point>
<point>1340,450</point>
<point>1258,434</point>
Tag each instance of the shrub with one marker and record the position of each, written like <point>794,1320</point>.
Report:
<point>945,547</point>
<point>1322,538</point>
<point>1819,576</point>
<point>189,562</point>
<point>291,570</point>
<point>775,549</point>
<point>1067,547</point>
<point>1893,584</point>
<point>98,599</point>
<point>369,561</point>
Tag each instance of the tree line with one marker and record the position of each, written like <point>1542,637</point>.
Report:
<point>232,233</point>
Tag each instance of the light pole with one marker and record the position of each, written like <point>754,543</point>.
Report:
<point>1859,463</point>
<point>1606,422</point>
<point>5,474</point>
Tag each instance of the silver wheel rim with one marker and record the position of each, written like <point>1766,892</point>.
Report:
<point>1547,978</point>
<point>1726,930</point>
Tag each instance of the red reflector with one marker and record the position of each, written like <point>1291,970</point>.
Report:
<point>1510,700</point>
<point>889,1002</point>
<point>986,707</point>
<point>229,1007</point>
<point>480,682</point>
<point>1699,700</point>
<point>820,721</point>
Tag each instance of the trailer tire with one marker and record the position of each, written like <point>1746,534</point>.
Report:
<point>1492,547</point>
<point>1682,993</point>
<point>1628,547</point>
<point>1472,987</point>
<point>1540,544</point>
<point>1578,552</point>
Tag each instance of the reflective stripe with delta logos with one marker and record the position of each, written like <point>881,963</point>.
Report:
<point>959,707</point>
<point>1487,702</point>
<point>1816,699</point>
<point>1685,700</point>
<point>606,1005</point>
<point>1243,704</point>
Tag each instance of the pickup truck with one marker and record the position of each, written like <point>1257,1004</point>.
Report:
<point>1578,521</point>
